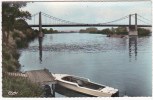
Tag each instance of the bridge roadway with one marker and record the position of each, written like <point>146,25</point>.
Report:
<point>86,25</point>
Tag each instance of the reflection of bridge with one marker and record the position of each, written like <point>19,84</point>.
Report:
<point>57,22</point>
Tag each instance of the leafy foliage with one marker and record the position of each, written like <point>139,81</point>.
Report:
<point>9,55</point>
<point>10,13</point>
<point>21,25</point>
<point>46,31</point>
<point>106,31</point>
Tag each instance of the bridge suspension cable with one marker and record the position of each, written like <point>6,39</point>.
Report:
<point>69,22</point>
<point>143,17</point>
<point>58,19</point>
<point>122,18</point>
<point>141,20</point>
<point>34,14</point>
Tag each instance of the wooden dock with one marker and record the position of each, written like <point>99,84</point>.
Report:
<point>40,76</point>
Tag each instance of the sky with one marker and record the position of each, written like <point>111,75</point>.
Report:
<point>90,12</point>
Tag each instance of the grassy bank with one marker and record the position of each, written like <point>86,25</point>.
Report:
<point>21,86</point>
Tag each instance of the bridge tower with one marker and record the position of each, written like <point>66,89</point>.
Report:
<point>40,26</point>
<point>133,28</point>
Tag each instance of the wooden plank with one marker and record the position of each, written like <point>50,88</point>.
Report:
<point>17,74</point>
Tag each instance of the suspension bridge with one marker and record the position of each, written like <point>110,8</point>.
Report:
<point>57,22</point>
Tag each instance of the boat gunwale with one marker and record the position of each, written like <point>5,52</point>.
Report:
<point>85,88</point>
<point>93,90</point>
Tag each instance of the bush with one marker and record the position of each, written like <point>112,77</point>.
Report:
<point>10,58</point>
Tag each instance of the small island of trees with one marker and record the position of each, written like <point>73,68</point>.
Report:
<point>115,31</point>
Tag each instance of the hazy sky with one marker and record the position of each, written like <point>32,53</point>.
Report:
<point>89,12</point>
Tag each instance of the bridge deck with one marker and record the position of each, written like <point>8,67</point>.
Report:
<point>86,25</point>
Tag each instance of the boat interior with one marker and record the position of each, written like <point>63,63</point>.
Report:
<point>83,82</point>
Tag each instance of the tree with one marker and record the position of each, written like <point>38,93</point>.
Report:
<point>51,30</point>
<point>143,32</point>
<point>106,31</point>
<point>10,13</point>
<point>21,25</point>
<point>121,30</point>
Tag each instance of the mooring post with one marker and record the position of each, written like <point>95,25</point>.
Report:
<point>53,88</point>
<point>40,26</point>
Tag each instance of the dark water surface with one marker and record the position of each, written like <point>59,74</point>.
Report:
<point>122,63</point>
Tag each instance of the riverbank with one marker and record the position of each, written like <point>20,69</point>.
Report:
<point>10,63</point>
<point>17,39</point>
<point>16,34</point>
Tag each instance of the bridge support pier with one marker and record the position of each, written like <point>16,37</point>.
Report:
<point>133,28</point>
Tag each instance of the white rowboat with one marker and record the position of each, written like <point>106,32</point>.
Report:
<point>85,86</point>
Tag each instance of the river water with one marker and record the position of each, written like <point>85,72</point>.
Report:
<point>122,63</point>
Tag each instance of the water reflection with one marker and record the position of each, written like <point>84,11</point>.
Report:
<point>132,47</point>
<point>40,49</point>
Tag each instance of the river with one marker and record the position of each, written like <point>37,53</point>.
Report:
<point>122,63</point>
